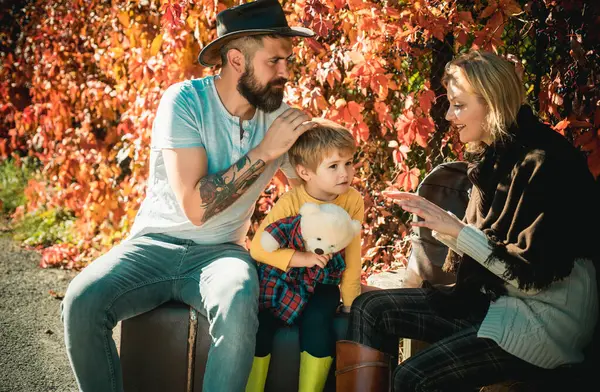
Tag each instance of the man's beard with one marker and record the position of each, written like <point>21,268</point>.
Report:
<point>267,98</point>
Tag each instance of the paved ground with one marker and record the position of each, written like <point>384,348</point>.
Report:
<point>32,351</point>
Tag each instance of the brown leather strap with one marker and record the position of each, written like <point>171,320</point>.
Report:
<point>361,365</point>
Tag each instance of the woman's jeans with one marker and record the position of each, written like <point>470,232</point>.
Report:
<point>138,275</point>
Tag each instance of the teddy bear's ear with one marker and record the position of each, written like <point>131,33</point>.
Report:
<point>268,243</point>
<point>309,208</point>
<point>356,226</point>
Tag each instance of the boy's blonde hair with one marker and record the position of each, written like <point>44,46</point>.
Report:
<point>316,144</point>
<point>496,83</point>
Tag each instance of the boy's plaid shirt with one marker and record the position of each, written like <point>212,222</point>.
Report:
<point>286,293</point>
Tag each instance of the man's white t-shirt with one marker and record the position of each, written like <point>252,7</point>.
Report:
<point>191,114</point>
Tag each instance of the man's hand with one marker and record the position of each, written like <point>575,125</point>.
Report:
<point>284,131</point>
<point>309,259</point>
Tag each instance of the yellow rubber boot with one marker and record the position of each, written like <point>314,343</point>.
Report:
<point>313,372</point>
<point>258,374</point>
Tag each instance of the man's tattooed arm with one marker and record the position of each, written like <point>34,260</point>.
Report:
<point>220,190</point>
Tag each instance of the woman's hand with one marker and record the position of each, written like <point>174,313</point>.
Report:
<point>434,217</point>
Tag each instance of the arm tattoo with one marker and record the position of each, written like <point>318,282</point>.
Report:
<point>220,190</point>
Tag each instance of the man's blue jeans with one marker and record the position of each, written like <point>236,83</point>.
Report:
<point>139,275</point>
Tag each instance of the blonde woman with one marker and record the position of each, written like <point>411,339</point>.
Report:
<point>526,298</point>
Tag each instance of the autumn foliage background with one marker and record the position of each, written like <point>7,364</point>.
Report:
<point>80,82</point>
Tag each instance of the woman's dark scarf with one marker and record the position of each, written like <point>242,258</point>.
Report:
<point>537,202</point>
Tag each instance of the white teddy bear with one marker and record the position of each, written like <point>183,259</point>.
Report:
<point>325,229</point>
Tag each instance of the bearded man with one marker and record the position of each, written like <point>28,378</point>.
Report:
<point>216,144</point>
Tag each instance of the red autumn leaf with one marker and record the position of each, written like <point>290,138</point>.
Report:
<point>561,126</point>
<point>346,116</point>
<point>404,125</point>
<point>408,179</point>
<point>321,26</point>
<point>315,46</point>
<point>315,7</point>
<point>316,100</point>
<point>510,7</point>
<point>425,126</point>
<point>363,131</point>
<point>383,115</point>
<point>355,110</point>
<point>465,16</point>
<point>495,25</point>
<point>489,10</point>
<point>332,76</point>
<point>339,4</point>
<point>380,85</point>
<point>356,5</point>
<point>426,99</point>
<point>171,14</point>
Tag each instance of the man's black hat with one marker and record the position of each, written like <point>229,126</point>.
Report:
<point>255,18</point>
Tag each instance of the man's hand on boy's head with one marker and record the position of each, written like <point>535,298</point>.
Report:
<point>282,134</point>
<point>309,260</point>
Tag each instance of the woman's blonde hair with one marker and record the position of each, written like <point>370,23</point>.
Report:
<point>318,143</point>
<point>495,81</point>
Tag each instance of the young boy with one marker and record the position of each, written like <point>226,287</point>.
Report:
<point>323,159</point>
